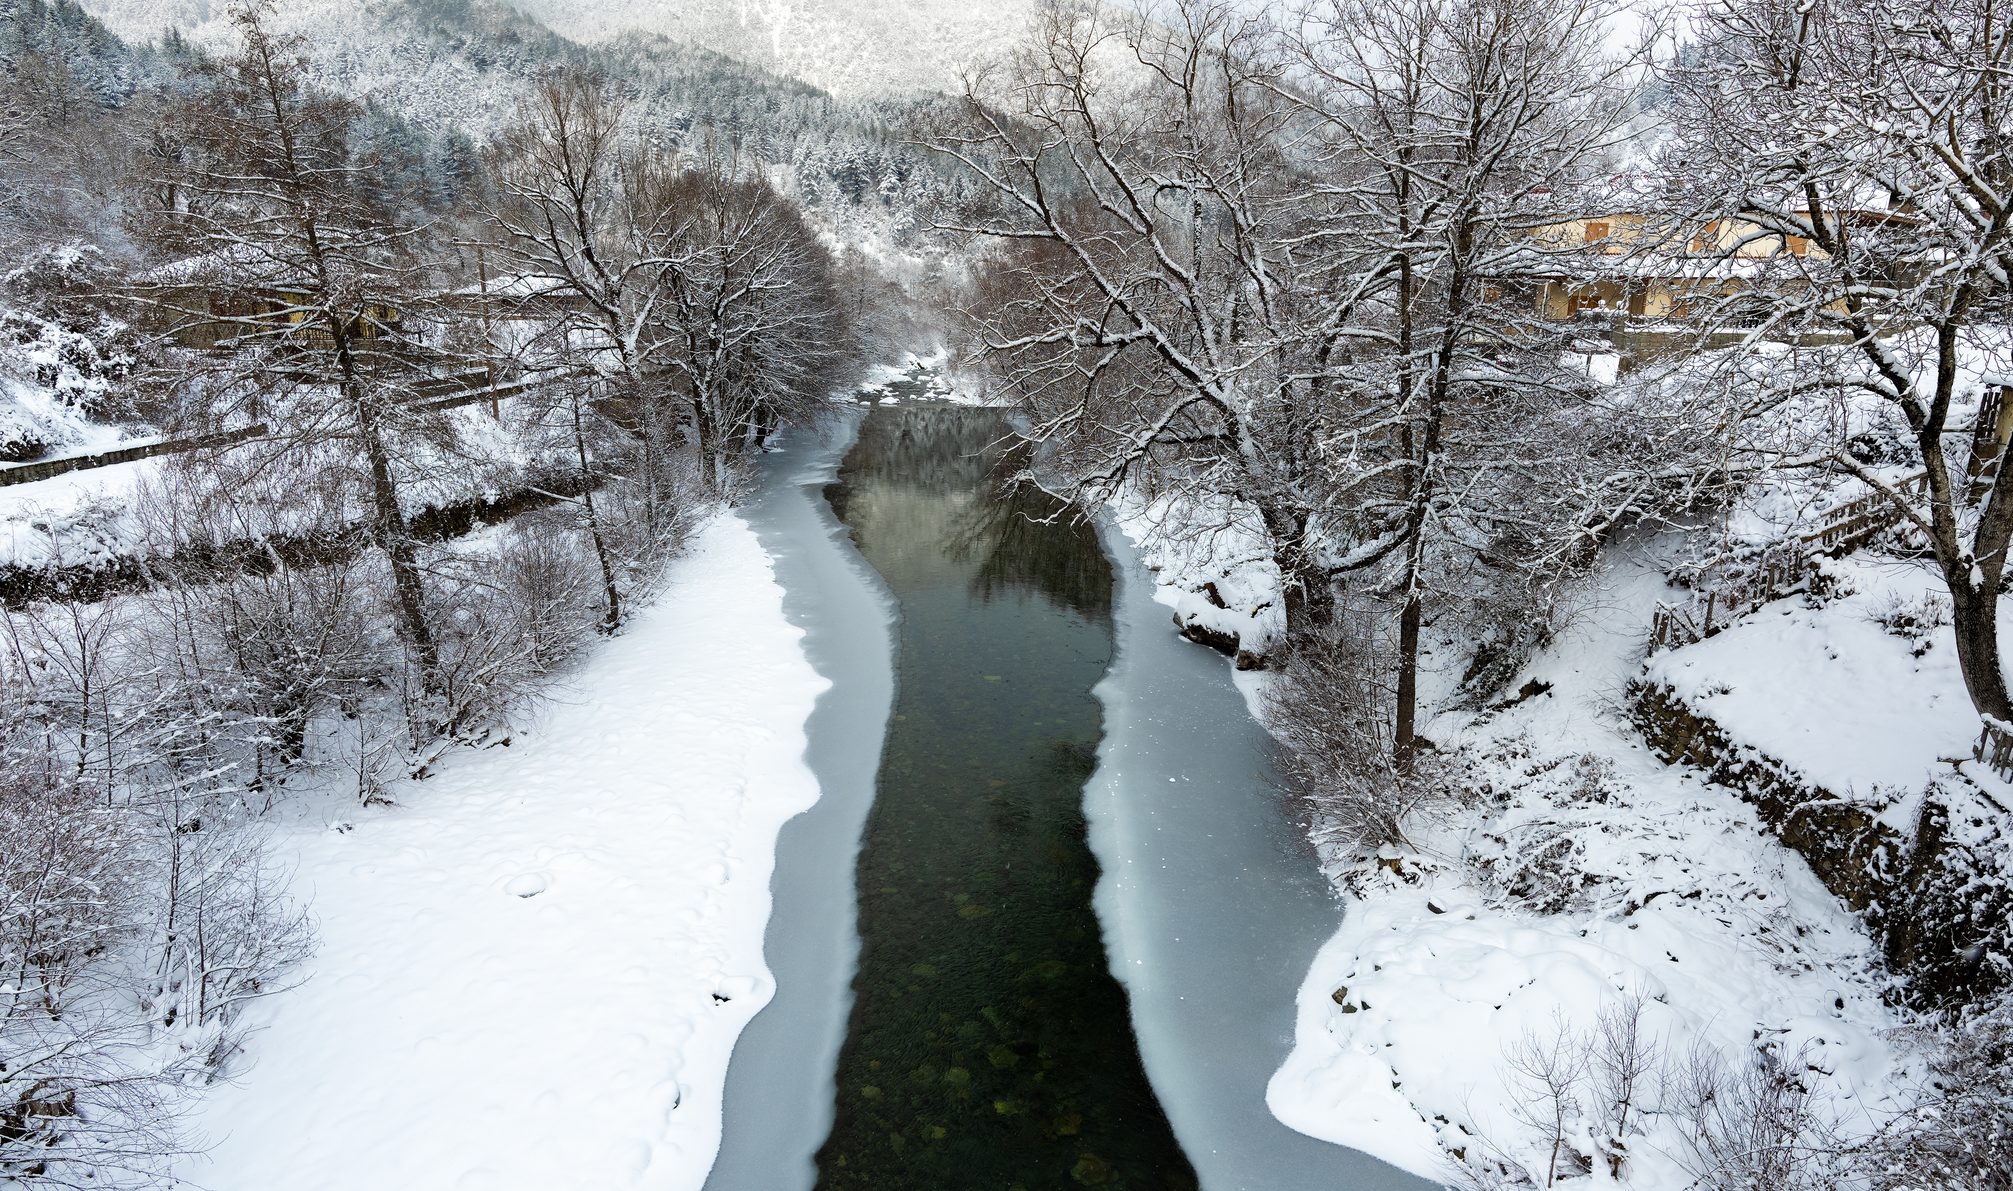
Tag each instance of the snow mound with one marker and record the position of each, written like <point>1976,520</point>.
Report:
<point>1214,567</point>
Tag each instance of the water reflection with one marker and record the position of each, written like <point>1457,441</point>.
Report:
<point>1020,537</point>
<point>989,1046</point>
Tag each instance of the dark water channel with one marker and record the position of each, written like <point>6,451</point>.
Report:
<point>988,1045</point>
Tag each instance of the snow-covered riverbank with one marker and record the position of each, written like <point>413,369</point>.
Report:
<point>1586,885</point>
<point>533,968</point>
<point>1583,877</point>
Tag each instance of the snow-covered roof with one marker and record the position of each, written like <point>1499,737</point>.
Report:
<point>515,285</point>
<point>227,262</point>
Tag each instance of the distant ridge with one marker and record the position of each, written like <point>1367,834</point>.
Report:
<point>855,49</point>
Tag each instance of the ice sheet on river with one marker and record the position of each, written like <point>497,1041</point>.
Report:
<point>780,1086</point>
<point>1211,900</point>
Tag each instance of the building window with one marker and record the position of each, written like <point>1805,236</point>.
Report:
<point>1596,230</point>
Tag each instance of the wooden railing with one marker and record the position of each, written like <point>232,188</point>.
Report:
<point>1995,748</point>
<point>44,469</point>
<point>1846,527</point>
<point>1674,627</point>
<point>1780,570</point>
<point>437,393</point>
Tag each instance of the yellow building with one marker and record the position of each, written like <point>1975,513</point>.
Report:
<point>204,303</point>
<point>1645,268</point>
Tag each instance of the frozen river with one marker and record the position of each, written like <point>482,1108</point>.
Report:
<point>980,1053</point>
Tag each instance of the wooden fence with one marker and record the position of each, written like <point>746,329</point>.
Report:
<point>1846,527</point>
<point>1995,749</point>
<point>437,393</point>
<point>1780,570</point>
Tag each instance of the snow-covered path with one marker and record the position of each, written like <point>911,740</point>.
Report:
<point>533,969</point>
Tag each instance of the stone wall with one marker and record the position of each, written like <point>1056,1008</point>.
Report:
<point>1936,898</point>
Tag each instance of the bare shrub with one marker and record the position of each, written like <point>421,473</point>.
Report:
<point>227,931</point>
<point>1754,1125</point>
<point>1622,1059</point>
<point>1958,1136</point>
<point>137,907</point>
<point>1330,711</point>
<point>59,655</point>
<point>1582,1096</point>
<point>257,657</point>
<point>507,616</point>
<point>650,509</point>
<point>1550,1070</point>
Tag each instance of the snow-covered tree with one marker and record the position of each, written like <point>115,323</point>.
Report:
<point>1863,152</point>
<point>1456,454</point>
<point>1141,304</point>
<point>754,333</point>
<point>288,254</point>
<point>687,287</point>
<point>1263,262</point>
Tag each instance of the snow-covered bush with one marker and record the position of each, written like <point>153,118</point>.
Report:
<point>1539,862</point>
<point>1958,1136</point>
<point>79,1093</point>
<point>1917,621</point>
<point>1329,710</point>
<point>139,907</point>
<point>24,433</point>
<point>65,362</point>
<point>508,613</point>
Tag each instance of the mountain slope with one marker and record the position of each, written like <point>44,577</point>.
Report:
<point>852,48</point>
<point>451,71</point>
<point>855,49</point>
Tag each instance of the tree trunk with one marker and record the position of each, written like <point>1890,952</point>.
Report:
<point>1974,614</point>
<point>613,619</point>
<point>389,528</point>
<point>1308,601</point>
<point>1405,731</point>
<point>1972,575</point>
<point>709,443</point>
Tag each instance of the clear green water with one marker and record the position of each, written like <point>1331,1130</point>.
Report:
<point>989,1048</point>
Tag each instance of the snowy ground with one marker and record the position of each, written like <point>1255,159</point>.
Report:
<point>534,967</point>
<point>1859,692</point>
<point>77,518</point>
<point>1587,875</point>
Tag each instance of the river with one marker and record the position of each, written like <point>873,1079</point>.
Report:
<point>1045,930</point>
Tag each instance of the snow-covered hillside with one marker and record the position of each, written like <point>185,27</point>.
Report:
<point>455,64</point>
<point>853,48</point>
